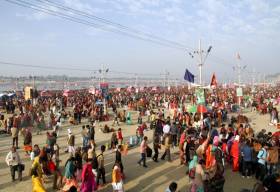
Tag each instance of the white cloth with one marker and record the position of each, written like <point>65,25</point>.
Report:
<point>118,186</point>
<point>71,149</point>
<point>32,156</point>
<point>13,158</point>
<point>166,129</point>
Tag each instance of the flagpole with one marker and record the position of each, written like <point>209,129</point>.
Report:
<point>200,62</point>
<point>239,78</point>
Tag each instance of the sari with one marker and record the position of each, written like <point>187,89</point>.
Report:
<point>88,180</point>
<point>37,180</point>
<point>235,155</point>
<point>37,185</point>
<point>69,176</point>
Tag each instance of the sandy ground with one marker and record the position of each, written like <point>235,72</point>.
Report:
<point>154,178</point>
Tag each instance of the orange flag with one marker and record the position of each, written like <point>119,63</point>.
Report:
<point>213,81</point>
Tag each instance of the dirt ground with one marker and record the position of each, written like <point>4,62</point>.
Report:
<point>154,178</point>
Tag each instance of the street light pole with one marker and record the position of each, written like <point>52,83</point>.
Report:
<point>200,59</point>
<point>200,63</point>
<point>102,72</point>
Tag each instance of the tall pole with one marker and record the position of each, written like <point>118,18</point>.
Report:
<point>239,73</point>
<point>164,83</point>
<point>33,82</point>
<point>200,63</point>
<point>253,79</point>
<point>102,79</point>
<point>239,79</point>
<point>17,79</point>
<point>136,81</point>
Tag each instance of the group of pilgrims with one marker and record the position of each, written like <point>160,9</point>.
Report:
<point>208,143</point>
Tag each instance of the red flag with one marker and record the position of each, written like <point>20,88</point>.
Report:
<point>213,81</point>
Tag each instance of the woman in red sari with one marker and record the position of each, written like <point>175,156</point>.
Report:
<point>234,152</point>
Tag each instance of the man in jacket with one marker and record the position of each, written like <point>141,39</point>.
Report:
<point>14,162</point>
<point>247,154</point>
<point>71,142</point>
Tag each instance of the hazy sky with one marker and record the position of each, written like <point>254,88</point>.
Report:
<point>250,27</point>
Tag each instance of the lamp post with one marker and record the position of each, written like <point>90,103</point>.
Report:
<point>103,72</point>
<point>239,70</point>
<point>201,57</point>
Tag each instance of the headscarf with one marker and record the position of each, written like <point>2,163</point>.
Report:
<point>193,163</point>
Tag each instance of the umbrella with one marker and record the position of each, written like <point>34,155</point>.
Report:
<point>201,109</point>
<point>191,109</point>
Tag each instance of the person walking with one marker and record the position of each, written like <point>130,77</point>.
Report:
<point>85,136</point>
<point>174,132</point>
<point>143,148</point>
<point>37,175</point>
<point>167,144</point>
<point>262,157</point>
<point>101,167</point>
<point>78,164</point>
<point>117,182</point>
<point>92,130</point>
<point>88,180</point>
<point>27,141</point>
<point>14,132</point>
<point>156,143</point>
<point>14,162</point>
<point>119,158</point>
<point>71,142</point>
<point>247,154</point>
<point>70,179</point>
<point>181,147</point>
<point>234,152</point>
<point>199,175</point>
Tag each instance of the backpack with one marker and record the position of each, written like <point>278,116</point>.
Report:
<point>94,163</point>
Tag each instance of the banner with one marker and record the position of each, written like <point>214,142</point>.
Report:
<point>200,96</point>
<point>239,92</point>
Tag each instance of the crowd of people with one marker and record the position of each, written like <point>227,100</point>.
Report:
<point>208,142</point>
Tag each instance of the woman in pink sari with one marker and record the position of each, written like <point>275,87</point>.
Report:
<point>88,179</point>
